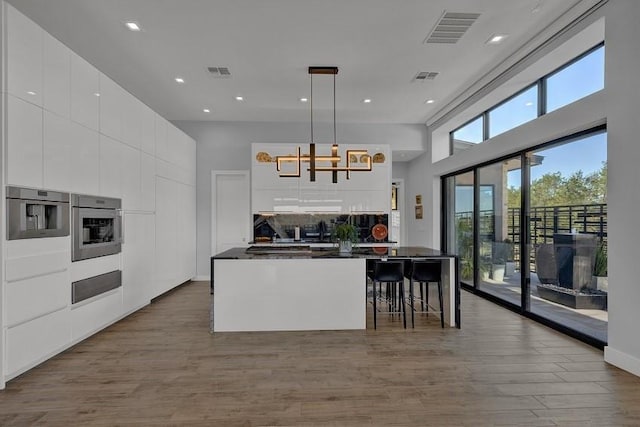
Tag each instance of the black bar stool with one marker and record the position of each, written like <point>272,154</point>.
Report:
<point>424,272</point>
<point>391,273</point>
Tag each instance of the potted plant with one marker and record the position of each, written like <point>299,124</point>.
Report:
<point>600,269</point>
<point>346,234</point>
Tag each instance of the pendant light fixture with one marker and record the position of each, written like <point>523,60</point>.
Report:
<point>320,163</point>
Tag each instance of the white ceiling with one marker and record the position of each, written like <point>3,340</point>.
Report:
<point>378,46</point>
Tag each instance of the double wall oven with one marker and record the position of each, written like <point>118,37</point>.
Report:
<point>96,224</point>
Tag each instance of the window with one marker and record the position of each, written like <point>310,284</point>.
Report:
<point>468,135</point>
<point>577,80</point>
<point>514,112</point>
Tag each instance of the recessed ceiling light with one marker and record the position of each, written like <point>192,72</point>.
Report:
<point>528,104</point>
<point>206,110</point>
<point>239,98</point>
<point>429,101</point>
<point>303,99</point>
<point>97,93</point>
<point>179,80</point>
<point>496,39</point>
<point>133,26</point>
<point>366,101</point>
<point>31,93</point>
<point>537,8</point>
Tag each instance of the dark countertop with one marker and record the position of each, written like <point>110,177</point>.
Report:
<point>261,252</point>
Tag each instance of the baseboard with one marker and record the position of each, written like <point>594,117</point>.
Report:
<point>622,360</point>
<point>201,278</point>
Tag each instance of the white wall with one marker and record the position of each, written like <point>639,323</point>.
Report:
<point>400,170</point>
<point>227,146</point>
<point>623,103</point>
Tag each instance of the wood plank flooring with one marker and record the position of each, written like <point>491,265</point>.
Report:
<point>160,366</point>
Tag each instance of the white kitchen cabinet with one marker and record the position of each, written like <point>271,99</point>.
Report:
<point>138,124</point>
<point>84,269</point>
<point>131,120</point>
<point>35,341</point>
<point>57,152</point>
<point>24,57</point>
<point>147,182</point>
<point>186,219</point>
<point>131,178</point>
<point>166,235</point>
<point>111,100</point>
<point>138,260</point>
<point>111,167</point>
<point>33,297</point>
<point>148,130</point>
<point>56,76</point>
<point>85,160</point>
<point>160,137</point>
<point>36,300</point>
<point>92,315</point>
<point>85,88</point>
<point>172,153</point>
<point>363,201</point>
<point>282,200</point>
<point>24,143</point>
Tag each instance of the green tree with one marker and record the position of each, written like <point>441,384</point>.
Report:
<point>552,189</point>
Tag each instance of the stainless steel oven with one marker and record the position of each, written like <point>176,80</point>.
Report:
<point>96,224</point>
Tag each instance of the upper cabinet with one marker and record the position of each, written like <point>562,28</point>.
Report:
<point>56,76</point>
<point>148,129</point>
<point>71,128</point>
<point>85,91</point>
<point>57,152</point>
<point>24,57</point>
<point>24,143</point>
<point>161,149</point>
<point>138,124</point>
<point>111,100</point>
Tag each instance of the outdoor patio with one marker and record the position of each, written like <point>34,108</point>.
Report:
<point>589,322</point>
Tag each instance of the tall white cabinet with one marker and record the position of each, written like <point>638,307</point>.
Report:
<point>71,128</point>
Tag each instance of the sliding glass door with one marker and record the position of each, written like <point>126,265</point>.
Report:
<point>568,233</point>
<point>460,222</point>
<point>531,231</point>
<point>499,229</point>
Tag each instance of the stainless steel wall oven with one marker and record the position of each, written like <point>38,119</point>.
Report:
<point>96,224</point>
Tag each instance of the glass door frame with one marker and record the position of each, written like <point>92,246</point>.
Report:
<point>525,236</point>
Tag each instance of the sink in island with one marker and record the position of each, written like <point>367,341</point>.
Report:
<point>295,288</point>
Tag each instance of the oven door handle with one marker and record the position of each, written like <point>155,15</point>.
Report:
<point>120,219</point>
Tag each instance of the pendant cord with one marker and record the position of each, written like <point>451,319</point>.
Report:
<point>311,99</point>
<point>334,110</point>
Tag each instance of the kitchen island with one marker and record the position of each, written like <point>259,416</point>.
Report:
<point>287,288</point>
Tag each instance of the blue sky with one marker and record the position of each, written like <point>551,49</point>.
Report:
<point>567,85</point>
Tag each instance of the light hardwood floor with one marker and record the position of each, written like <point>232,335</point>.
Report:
<point>160,366</point>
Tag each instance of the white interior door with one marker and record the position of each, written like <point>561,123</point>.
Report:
<point>230,210</point>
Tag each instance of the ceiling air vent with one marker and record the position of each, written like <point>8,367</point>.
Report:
<point>219,71</point>
<point>451,27</point>
<point>426,75</point>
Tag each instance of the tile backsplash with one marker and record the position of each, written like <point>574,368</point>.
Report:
<point>313,227</point>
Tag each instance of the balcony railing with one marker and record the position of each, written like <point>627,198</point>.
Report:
<point>544,222</point>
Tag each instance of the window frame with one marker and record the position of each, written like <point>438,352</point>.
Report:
<point>541,83</point>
